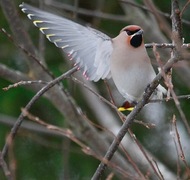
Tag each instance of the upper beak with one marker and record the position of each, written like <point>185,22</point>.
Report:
<point>140,32</point>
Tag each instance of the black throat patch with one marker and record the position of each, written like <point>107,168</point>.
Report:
<point>136,41</point>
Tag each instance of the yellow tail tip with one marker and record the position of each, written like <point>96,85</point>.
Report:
<point>121,109</point>
<point>127,106</point>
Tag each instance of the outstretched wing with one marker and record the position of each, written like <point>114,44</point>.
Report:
<point>90,49</point>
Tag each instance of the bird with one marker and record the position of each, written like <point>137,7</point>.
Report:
<point>123,58</point>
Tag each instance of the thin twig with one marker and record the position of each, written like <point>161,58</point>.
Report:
<point>177,52</point>
<point>133,163</point>
<point>69,134</point>
<point>147,125</point>
<point>170,99</point>
<point>31,102</point>
<point>161,21</point>
<point>129,158</point>
<point>176,147</point>
<point>167,15</point>
<point>161,175</point>
<point>5,168</point>
<point>144,8</point>
<point>184,7</point>
<point>110,176</point>
<point>66,132</point>
<point>12,161</point>
<point>87,12</point>
<point>182,155</point>
<point>109,92</point>
<point>144,153</point>
<point>26,52</point>
<point>21,83</point>
<point>12,75</point>
<point>95,93</point>
<point>165,45</point>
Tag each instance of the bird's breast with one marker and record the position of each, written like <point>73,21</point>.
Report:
<point>131,73</point>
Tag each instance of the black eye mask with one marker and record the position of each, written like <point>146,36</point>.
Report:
<point>136,40</point>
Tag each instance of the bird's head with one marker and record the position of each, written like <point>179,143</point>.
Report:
<point>134,35</point>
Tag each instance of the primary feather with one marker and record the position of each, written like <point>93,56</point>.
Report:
<point>90,49</point>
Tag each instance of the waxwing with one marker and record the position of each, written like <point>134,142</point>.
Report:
<point>123,58</point>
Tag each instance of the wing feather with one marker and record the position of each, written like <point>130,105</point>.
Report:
<point>90,49</point>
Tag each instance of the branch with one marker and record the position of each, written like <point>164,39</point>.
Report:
<point>87,12</point>
<point>11,74</point>
<point>187,96</point>
<point>167,15</point>
<point>95,93</point>
<point>26,52</point>
<point>26,125</point>
<point>166,45</point>
<point>22,39</point>
<point>177,51</point>
<point>176,25</point>
<point>181,152</point>
<point>17,77</point>
<point>70,135</point>
<point>5,168</point>
<point>21,83</point>
<point>28,106</point>
<point>15,24</point>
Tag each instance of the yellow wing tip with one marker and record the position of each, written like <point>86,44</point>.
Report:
<point>36,22</point>
<point>43,28</point>
<point>49,35</point>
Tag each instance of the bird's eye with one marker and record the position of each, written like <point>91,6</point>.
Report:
<point>129,32</point>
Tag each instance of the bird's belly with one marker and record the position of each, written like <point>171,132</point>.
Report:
<point>132,82</point>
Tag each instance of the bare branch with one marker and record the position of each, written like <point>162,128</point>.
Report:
<point>69,134</point>
<point>27,52</point>
<point>65,132</point>
<point>21,83</point>
<point>12,75</point>
<point>162,22</point>
<point>176,148</point>
<point>176,25</point>
<point>167,15</point>
<point>87,12</point>
<point>98,95</point>
<point>161,175</point>
<point>145,154</point>
<point>170,99</point>
<point>32,101</point>
<point>5,168</point>
<point>177,52</point>
<point>182,155</point>
<point>184,8</point>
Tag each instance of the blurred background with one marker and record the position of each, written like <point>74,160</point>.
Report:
<point>40,153</point>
